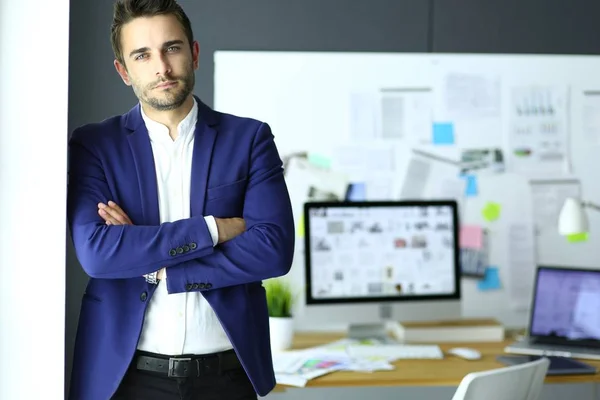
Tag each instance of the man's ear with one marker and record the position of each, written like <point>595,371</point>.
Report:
<point>122,72</point>
<point>195,53</point>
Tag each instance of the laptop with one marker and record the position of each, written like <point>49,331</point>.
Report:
<point>565,315</point>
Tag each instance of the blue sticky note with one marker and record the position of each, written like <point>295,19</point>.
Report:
<point>443,133</point>
<point>357,192</point>
<point>490,281</point>
<point>470,185</point>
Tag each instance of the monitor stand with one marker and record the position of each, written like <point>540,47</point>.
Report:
<point>376,331</point>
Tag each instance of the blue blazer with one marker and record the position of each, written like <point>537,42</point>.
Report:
<point>236,172</point>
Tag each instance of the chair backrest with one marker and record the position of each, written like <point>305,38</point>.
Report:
<point>517,382</point>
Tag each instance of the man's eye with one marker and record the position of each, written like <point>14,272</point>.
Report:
<point>173,48</point>
<point>141,56</point>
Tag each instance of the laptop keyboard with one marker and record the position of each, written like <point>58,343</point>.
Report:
<point>593,344</point>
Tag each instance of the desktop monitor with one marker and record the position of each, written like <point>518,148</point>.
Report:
<point>368,263</point>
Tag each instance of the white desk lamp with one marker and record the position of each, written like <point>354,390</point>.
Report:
<point>572,219</point>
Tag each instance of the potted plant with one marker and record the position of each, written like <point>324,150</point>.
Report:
<point>280,300</point>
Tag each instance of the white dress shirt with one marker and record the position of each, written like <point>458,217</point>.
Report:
<point>182,323</point>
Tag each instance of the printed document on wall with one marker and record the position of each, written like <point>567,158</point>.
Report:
<point>369,164</point>
<point>472,101</point>
<point>548,198</point>
<point>472,95</point>
<point>407,113</point>
<point>430,176</point>
<point>363,112</point>
<point>538,130</point>
<point>522,265</point>
<point>591,116</point>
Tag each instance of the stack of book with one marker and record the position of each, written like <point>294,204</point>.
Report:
<point>456,330</point>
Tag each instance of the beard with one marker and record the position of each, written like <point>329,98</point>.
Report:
<point>171,98</point>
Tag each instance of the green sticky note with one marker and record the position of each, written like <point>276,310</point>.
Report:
<point>577,237</point>
<point>319,160</point>
<point>491,211</point>
<point>300,228</point>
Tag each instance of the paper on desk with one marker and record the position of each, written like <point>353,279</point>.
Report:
<point>296,368</point>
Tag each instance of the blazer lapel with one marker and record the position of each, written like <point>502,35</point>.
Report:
<point>139,142</point>
<point>204,141</point>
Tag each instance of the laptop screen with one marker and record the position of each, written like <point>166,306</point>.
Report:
<point>566,304</point>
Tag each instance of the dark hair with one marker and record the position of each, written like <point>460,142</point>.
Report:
<point>127,10</point>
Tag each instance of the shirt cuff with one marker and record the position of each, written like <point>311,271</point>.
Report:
<point>151,278</point>
<point>212,228</point>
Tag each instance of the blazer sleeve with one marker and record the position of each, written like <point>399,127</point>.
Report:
<point>265,250</point>
<point>124,251</point>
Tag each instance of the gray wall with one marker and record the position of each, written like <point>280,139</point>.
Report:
<point>493,26</point>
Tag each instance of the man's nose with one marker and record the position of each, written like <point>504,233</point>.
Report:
<point>162,65</point>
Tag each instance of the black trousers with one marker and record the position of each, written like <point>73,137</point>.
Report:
<point>228,385</point>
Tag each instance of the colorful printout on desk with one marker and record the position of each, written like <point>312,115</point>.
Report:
<point>296,368</point>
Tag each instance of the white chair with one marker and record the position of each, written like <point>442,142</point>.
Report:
<point>517,382</point>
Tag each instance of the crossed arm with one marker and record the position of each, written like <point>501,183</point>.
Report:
<point>227,228</point>
<point>263,250</point>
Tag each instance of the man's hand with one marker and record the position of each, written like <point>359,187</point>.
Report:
<point>229,228</point>
<point>113,214</point>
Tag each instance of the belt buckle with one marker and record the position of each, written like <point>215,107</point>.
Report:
<point>172,360</point>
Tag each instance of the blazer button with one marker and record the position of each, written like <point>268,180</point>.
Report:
<point>196,286</point>
<point>144,296</point>
<point>180,250</point>
<point>208,285</point>
<point>172,252</point>
<point>188,287</point>
<point>193,246</point>
<point>202,286</point>
<point>186,249</point>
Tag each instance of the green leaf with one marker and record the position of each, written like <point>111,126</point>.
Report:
<point>280,298</point>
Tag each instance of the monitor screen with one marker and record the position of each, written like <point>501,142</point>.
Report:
<point>566,304</point>
<point>381,251</point>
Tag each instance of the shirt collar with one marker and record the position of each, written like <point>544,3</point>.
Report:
<point>158,131</point>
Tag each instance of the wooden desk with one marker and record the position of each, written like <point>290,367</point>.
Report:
<point>447,372</point>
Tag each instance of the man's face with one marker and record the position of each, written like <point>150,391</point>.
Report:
<point>158,63</point>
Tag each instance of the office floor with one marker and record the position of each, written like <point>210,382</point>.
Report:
<point>583,391</point>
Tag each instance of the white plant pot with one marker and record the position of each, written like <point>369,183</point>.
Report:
<point>281,332</point>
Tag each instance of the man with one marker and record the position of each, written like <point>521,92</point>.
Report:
<point>177,213</point>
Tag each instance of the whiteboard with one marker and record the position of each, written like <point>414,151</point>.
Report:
<point>307,100</point>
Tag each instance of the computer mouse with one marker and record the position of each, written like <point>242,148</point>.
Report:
<point>465,352</point>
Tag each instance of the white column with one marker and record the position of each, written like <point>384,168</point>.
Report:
<point>34,39</point>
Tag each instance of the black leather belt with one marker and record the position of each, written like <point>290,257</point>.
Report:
<point>185,367</point>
